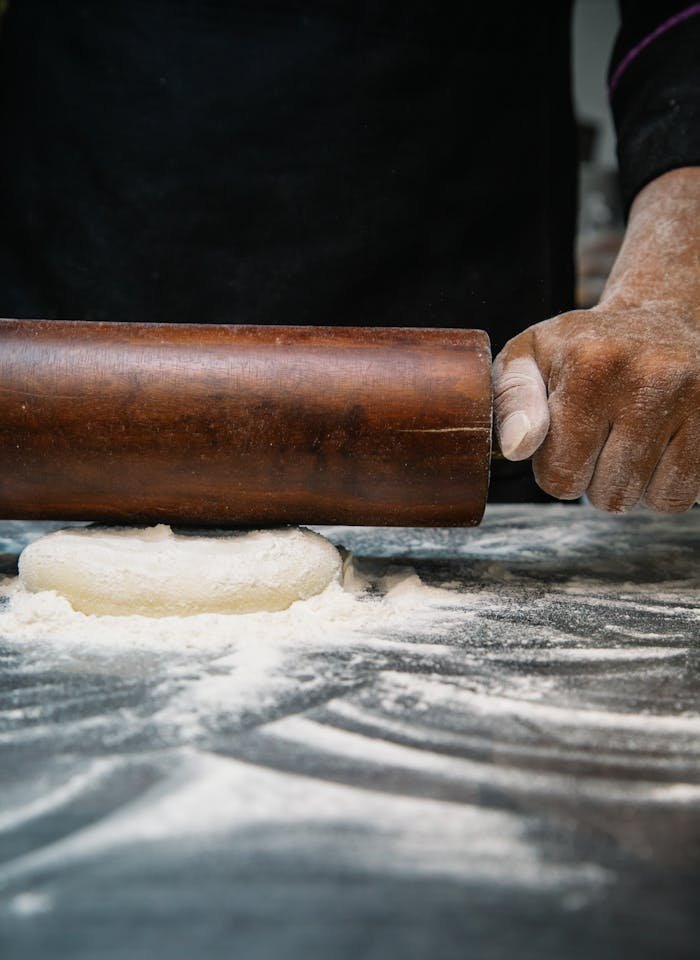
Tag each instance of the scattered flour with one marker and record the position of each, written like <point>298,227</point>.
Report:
<point>354,603</point>
<point>378,725</point>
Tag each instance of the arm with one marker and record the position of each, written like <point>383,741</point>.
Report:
<point>608,399</point>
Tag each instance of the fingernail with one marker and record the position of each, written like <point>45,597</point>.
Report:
<point>513,431</point>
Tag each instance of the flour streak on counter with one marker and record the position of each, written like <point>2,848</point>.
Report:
<point>466,705</point>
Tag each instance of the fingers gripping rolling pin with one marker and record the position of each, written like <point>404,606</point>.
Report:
<point>241,425</point>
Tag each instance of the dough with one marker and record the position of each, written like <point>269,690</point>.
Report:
<point>157,573</point>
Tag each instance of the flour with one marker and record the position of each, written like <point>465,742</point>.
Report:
<point>357,603</point>
<point>414,835</point>
<point>460,705</point>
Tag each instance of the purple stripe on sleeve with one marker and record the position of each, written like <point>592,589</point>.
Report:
<point>632,54</point>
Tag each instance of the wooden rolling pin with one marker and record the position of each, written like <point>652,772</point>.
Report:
<point>231,426</point>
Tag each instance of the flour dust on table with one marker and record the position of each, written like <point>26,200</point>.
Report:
<point>487,736</point>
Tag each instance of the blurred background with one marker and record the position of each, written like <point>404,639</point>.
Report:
<point>600,216</point>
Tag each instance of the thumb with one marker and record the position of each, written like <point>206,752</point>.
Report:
<point>520,405</point>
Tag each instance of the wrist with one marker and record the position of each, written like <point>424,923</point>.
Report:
<point>659,262</point>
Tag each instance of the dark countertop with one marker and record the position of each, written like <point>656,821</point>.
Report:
<point>518,778</point>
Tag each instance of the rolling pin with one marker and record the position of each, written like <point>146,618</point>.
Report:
<point>218,425</point>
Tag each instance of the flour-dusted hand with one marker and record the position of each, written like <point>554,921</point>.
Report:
<point>607,400</point>
<point>623,387</point>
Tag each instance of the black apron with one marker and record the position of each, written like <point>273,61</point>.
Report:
<point>384,163</point>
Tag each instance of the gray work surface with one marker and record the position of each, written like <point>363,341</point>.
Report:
<point>520,781</point>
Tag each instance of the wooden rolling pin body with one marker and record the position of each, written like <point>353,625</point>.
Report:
<point>230,426</point>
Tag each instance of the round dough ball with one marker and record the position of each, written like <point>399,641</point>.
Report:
<point>157,573</point>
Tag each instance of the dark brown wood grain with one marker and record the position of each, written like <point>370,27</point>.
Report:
<point>240,425</point>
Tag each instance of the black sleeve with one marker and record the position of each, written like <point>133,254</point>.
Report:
<point>654,88</point>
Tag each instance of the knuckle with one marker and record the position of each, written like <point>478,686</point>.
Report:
<point>513,380</point>
<point>596,357</point>
<point>590,370</point>
<point>507,391</point>
<point>512,392</point>
<point>664,376</point>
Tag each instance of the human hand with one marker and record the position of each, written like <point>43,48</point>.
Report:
<point>607,400</point>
